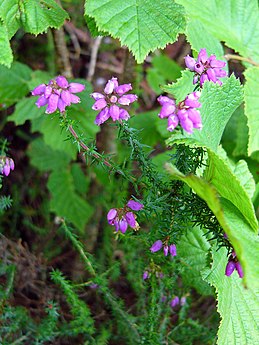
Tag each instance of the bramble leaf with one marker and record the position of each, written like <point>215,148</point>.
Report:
<point>6,56</point>
<point>142,25</point>
<point>237,306</point>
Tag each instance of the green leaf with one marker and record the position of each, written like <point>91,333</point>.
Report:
<point>33,16</point>
<point>92,27</point>
<point>237,306</point>
<point>199,38</point>
<point>25,109</point>
<point>182,87</point>
<point>14,83</point>
<point>142,25</point>
<point>192,250</point>
<point>252,107</point>
<point>44,158</point>
<point>241,141</point>
<point>235,22</point>
<point>240,233</point>
<point>242,172</point>
<point>65,201</point>
<point>6,56</point>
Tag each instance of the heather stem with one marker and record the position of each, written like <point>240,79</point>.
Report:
<point>240,58</point>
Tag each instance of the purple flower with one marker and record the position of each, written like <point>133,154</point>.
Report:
<point>6,165</point>
<point>175,301</point>
<point>58,94</point>
<point>184,113</point>
<point>172,249</point>
<point>145,275</point>
<point>111,101</point>
<point>232,265</point>
<point>156,246</point>
<point>122,218</point>
<point>206,68</point>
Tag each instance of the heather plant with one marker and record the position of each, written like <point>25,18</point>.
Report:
<point>125,230</point>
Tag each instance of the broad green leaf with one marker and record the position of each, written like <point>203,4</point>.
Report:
<point>14,83</point>
<point>228,185</point>
<point>199,38</point>
<point>92,27</point>
<point>25,109</point>
<point>142,25</point>
<point>44,158</point>
<point>252,107</point>
<point>241,142</point>
<point>33,16</point>
<point>6,56</point>
<point>245,177</point>
<point>235,22</point>
<point>65,201</point>
<point>81,182</point>
<point>192,250</point>
<point>167,67</point>
<point>239,232</point>
<point>218,104</point>
<point>182,87</point>
<point>39,77</point>
<point>237,306</point>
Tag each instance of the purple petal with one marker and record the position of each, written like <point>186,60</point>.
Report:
<point>114,111</point>
<point>6,170</point>
<point>191,101</point>
<point>175,301</point>
<point>111,85</point>
<point>127,99</point>
<point>74,99</point>
<point>189,62</point>
<point>182,301</point>
<point>97,95</point>
<point>76,87</point>
<point>135,205</point>
<point>48,91</point>
<point>182,114</point>
<point>211,75</point>
<point>203,78</point>
<point>123,225</point>
<point>203,57</point>
<point>216,63</point>
<point>166,110</point>
<point>187,125</point>
<point>166,250</point>
<point>198,68</point>
<point>99,104</point>
<point>172,122</point>
<point>111,215</point>
<point>130,218</point>
<point>172,249</point>
<point>145,275</point>
<point>220,73</point>
<point>156,246</point>
<point>62,82</point>
<point>11,163</point>
<point>66,97</point>
<point>195,79</point>
<point>102,116</point>
<point>195,117</point>
<point>164,99</point>
<point>39,90</point>
<point>41,101</point>
<point>121,89</point>
<point>61,105</point>
<point>239,269</point>
<point>124,115</point>
<point>230,268</point>
<point>52,103</point>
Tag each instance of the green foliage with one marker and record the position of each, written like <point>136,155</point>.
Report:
<point>66,202</point>
<point>234,22</point>
<point>237,306</point>
<point>182,87</point>
<point>5,203</point>
<point>14,83</point>
<point>193,251</point>
<point>6,56</point>
<point>142,25</point>
<point>251,96</point>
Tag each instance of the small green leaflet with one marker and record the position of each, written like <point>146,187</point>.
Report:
<point>142,25</point>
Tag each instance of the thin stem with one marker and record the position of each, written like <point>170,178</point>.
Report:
<point>240,58</point>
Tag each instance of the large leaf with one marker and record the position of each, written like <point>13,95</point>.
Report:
<point>25,109</point>
<point>192,250</point>
<point>44,158</point>
<point>182,87</point>
<point>234,21</point>
<point>237,306</point>
<point>252,107</point>
<point>6,56</point>
<point>65,201</point>
<point>142,25</point>
<point>14,83</point>
<point>34,16</point>
<point>240,233</point>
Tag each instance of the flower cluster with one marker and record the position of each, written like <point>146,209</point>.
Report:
<point>206,68</point>
<point>233,264</point>
<point>58,94</point>
<point>121,218</point>
<point>6,165</point>
<point>110,102</point>
<point>183,113</point>
<point>156,246</point>
<point>177,301</point>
